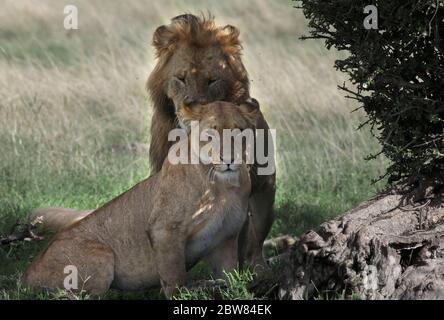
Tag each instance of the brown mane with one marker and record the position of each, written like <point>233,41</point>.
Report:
<point>199,32</point>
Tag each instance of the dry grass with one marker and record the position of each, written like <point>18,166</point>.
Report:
<point>65,96</point>
<point>85,87</point>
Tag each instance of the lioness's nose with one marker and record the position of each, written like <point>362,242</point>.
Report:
<point>228,160</point>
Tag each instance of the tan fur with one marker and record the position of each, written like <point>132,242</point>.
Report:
<point>196,49</point>
<point>159,228</point>
<point>56,218</point>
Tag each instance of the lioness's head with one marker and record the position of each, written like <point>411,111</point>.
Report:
<point>198,62</point>
<point>230,127</point>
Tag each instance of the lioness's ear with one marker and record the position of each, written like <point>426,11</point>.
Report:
<point>228,37</point>
<point>250,106</point>
<point>162,40</point>
<point>198,110</point>
<point>187,114</point>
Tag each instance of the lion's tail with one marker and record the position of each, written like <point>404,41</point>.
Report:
<point>55,219</point>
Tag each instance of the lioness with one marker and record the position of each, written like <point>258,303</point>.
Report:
<point>162,226</point>
<point>199,61</point>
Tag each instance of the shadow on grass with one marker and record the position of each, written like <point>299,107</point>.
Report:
<point>296,219</point>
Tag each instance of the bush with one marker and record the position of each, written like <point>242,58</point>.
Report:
<point>397,72</point>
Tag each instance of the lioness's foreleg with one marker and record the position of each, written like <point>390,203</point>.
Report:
<point>169,256</point>
<point>223,258</point>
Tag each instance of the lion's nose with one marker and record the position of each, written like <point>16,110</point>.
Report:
<point>202,101</point>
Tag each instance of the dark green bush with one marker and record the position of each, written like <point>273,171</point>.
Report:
<point>397,73</point>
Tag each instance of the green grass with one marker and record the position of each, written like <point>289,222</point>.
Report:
<point>67,97</point>
<point>235,287</point>
<point>308,193</point>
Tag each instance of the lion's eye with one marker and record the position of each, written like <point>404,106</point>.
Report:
<point>181,78</point>
<point>212,81</point>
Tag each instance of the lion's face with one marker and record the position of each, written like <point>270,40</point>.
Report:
<point>199,75</point>
<point>198,62</point>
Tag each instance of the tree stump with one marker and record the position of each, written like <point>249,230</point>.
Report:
<point>388,247</point>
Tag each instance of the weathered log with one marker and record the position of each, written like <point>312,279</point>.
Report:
<point>386,248</point>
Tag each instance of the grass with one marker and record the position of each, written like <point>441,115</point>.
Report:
<point>235,288</point>
<point>68,97</point>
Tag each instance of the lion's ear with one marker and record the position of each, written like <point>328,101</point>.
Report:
<point>162,40</point>
<point>231,31</point>
<point>228,37</point>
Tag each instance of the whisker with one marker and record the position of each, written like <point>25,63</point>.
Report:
<point>209,173</point>
<point>213,174</point>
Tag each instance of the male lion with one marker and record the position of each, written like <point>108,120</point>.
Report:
<point>162,226</point>
<point>201,62</point>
